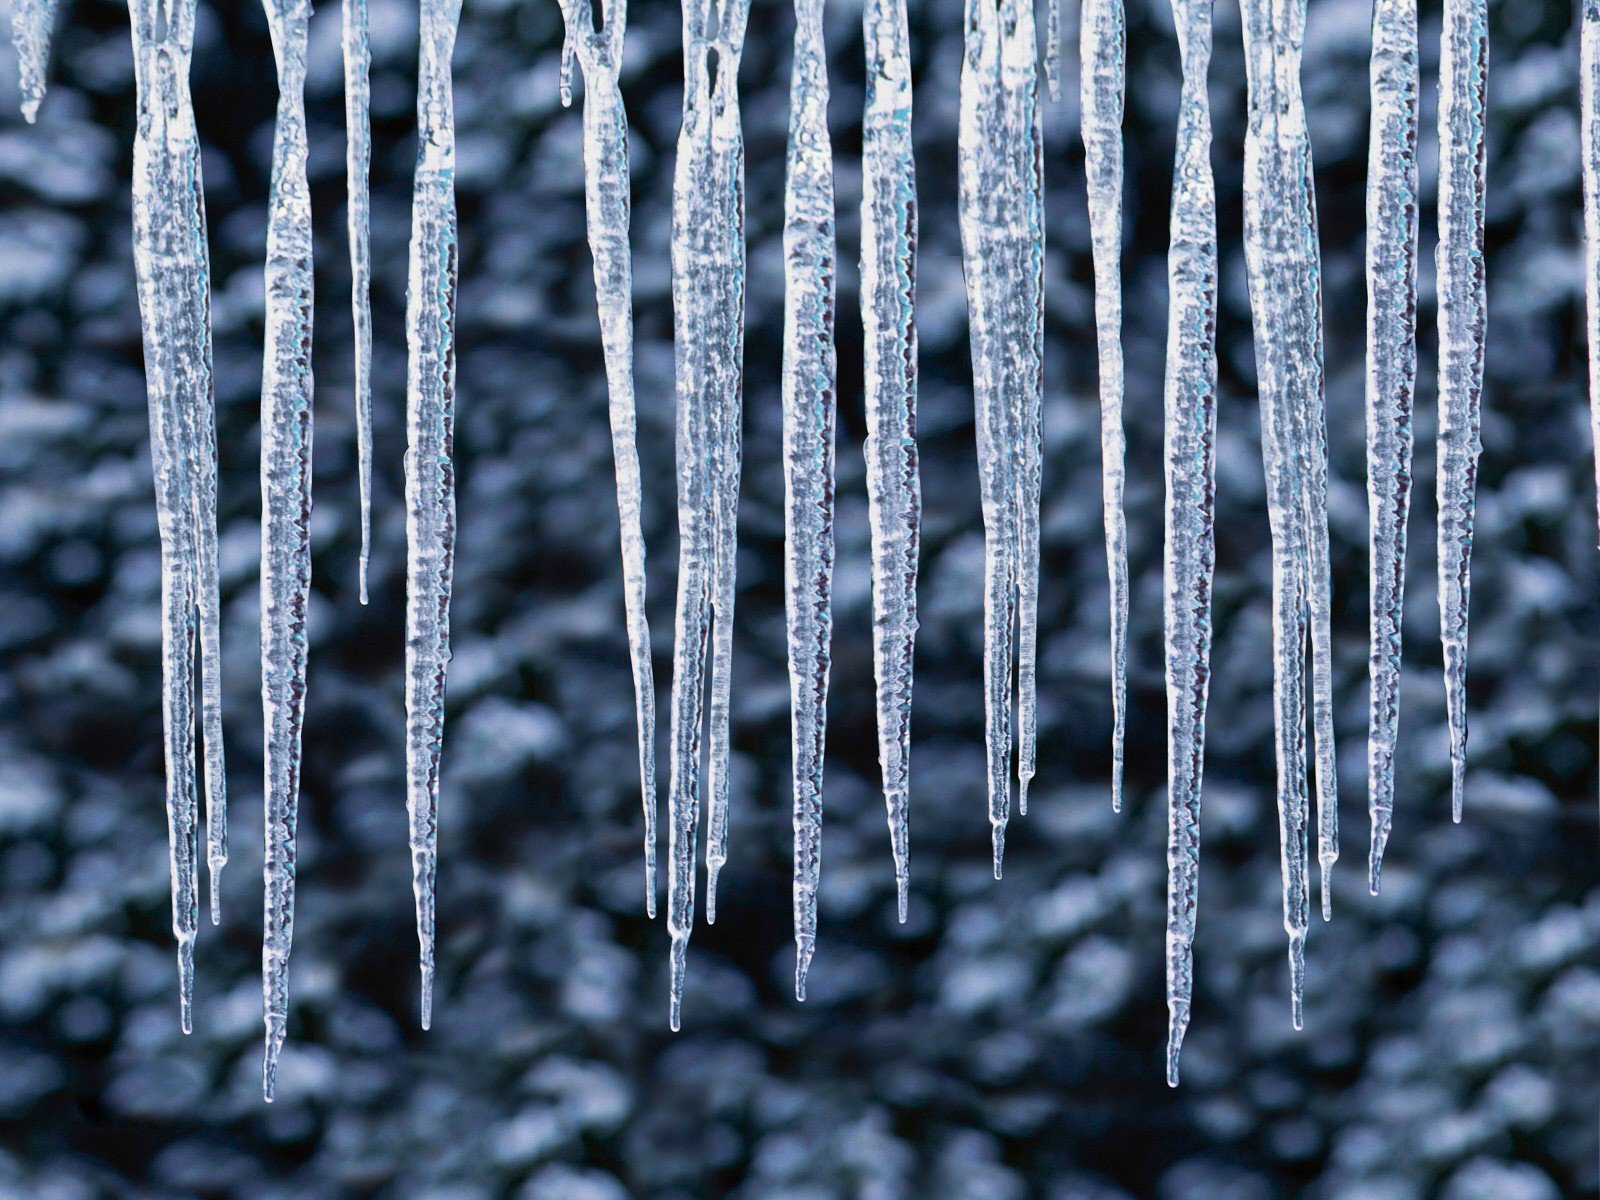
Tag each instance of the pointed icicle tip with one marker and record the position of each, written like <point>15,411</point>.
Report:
<point>1022,797</point>
<point>363,581</point>
<point>1177,1026</point>
<point>805,948</point>
<point>1116,784</point>
<point>650,892</point>
<point>999,840</point>
<point>30,109</point>
<point>680,951</point>
<point>186,984</point>
<point>1327,889</point>
<point>427,997</point>
<point>902,897</point>
<point>1297,978</point>
<point>713,869</point>
<point>216,894</point>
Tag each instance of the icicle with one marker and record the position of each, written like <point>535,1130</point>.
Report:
<point>358,163</point>
<point>1391,382</point>
<point>1103,46</point>
<point>606,188</point>
<point>708,265</point>
<point>32,23</point>
<point>1463,322</point>
<point>1191,425</point>
<point>1284,274</point>
<point>889,354</point>
<point>173,270</point>
<point>286,388</point>
<point>1002,237</point>
<point>567,50</point>
<point>1052,49</point>
<point>1589,85</point>
<point>809,373</point>
<point>430,473</point>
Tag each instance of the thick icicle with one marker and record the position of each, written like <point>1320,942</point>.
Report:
<point>173,269</point>
<point>1284,277</point>
<point>1391,383</point>
<point>809,372</point>
<point>708,266</point>
<point>1589,88</point>
<point>286,389</point>
<point>32,23</point>
<point>1103,46</point>
<point>1191,425</point>
<point>1002,238</point>
<point>605,131</point>
<point>430,471</point>
<point>889,355</point>
<point>1463,324</point>
<point>358,163</point>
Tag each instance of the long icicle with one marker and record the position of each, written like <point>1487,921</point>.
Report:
<point>1589,91</point>
<point>1103,49</point>
<point>286,390</point>
<point>358,164</point>
<point>32,24</point>
<point>1191,426</point>
<point>809,374</point>
<point>1392,207</point>
<point>708,266</point>
<point>889,358</point>
<point>1280,252</point>
<point>429,465</point>
<point>173,271</point>
<point>1002,238</point>
<point>606,189</point>
<point>1463,324</point>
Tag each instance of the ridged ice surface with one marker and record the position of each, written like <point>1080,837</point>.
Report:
<point>889,357</point>
<point>1589,88</point>
<point>606,189</point>
<point>809,371</point>
<point>358,164</point>
<point>1002,242</point>
<point>286,389</point>
<point>173,271</point>
<point>32,23</point>
<point>1102,44</point>
<point>1391,384</point>
<point>1284,270</point>
<point>1463,323</point>
<point>1190,440</point>
<point>430,471</point>
<point>708,270</point>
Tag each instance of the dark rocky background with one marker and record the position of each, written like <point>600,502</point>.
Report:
<point>1006,1042</point>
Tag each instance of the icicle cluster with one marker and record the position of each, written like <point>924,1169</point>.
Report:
<point>1463,326</point>
<point>173,271</point>
<point>1190,438</point>
<point>889,361</point>
<point>430,471</point>
<point>1002,242</point>
<point>358,164</point>
<point>1284,266</point>
<point>708,268</point>
<point>1391,383</point>
<point>32,22</point>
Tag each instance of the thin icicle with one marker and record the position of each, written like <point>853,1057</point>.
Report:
<point>1191,426</point>
<point>708,267</point>
<point>358,163</point>
<point>606,188</point>
<point>430,471</point>
<point>1002,238</point>
<point>32,23</point>
<point>1391,383</point>
<point>1463,324</point>
<point>173,271</point>
<point>1284,277</point>
<point>809,372</point>
<point>286,388</point>
<point>1103,46</point>
<point>1589,87</point>
<point>1052,49</point>
<point>889,357</point>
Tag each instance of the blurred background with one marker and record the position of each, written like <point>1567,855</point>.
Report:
<point>1006,1041</point>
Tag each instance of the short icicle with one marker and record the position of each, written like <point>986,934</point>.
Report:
<point>1392,207</point>
<point>286,391</point>
<point>32,23</point>
<point>1191,426</point>
<point>606,189</point>
<point>1463,325</point>
<point>1103,47</point>
<point>173,269</point>
<point>358,164</point>
<point>809,375</point>
<point>708,268</point>
<point>1002,239</point>
<point>429,465</point>
<point>889,357</point>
